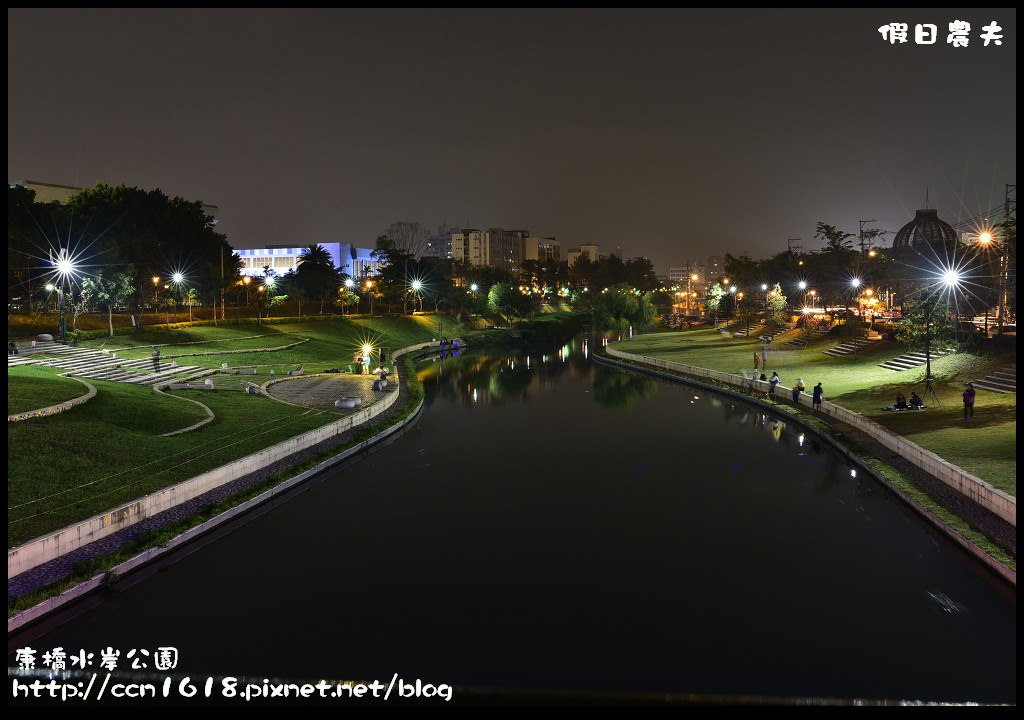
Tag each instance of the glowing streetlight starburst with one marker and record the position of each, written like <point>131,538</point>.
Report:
<point>177,277</point>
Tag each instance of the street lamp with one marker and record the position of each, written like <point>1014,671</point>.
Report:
<point>694,277</point>
<point>65,270</point>
<point>950,280</point>
<point>987,241</point>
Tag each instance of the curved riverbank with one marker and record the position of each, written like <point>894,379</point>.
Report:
<point>31,594</point>
<point>974,541</point>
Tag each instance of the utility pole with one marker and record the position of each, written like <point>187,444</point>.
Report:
<point>222,316</point>
<point>1004,259</point>
<point>861,234</point>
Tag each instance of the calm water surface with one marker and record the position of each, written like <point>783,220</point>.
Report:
<point>553,524</point>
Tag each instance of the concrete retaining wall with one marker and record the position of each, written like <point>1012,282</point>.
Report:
<point>999,502</point>
<point>46,548</point>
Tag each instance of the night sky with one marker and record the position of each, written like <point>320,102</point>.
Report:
<point>671,133</point>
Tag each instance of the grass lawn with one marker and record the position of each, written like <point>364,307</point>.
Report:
<point>31,387</point>
<point>985,446</point>
<point>71,466</point>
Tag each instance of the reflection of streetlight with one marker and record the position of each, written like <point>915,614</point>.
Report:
<point>691,278</point>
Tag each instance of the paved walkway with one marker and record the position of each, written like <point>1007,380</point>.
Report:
<point>321,391</point>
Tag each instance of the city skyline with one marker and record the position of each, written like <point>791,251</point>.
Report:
<point>669,133</point>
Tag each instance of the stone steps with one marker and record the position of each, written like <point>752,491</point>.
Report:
<point>847,348</point>
<point>1001,381</point>
<point>909,361</point>
<point>753,329</point>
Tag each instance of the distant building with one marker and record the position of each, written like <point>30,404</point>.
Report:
<point>50,192</point>
<point>591,250</point>
<point>439,244</point>
<point>495,247</point>
<point>347,258</point>
<point>541,249</point>
<point>617,252</point>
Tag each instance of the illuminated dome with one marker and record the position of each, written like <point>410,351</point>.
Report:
<point>925,230</point>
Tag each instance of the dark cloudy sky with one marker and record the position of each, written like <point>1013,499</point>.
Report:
<point>670,133</point>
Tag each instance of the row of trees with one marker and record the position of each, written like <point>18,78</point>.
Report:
<point>121,244</point>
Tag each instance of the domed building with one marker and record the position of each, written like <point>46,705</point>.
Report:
<point>925,230</point>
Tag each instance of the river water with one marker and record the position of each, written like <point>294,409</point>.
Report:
<point>551,524</point>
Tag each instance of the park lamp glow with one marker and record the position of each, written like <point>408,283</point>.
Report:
<point>417,285</point>
<point>764,287</point>
<point>367,349</point>
<point>349,282</point>
<point>807,310</point>
<point>474,287</point>
<point>802,284</point>
<point>951,278</point>
<point>985,237</point>
<point>270,282</point>
<point>50,287</point>
<point>177,277</point>
<point>855,282</point>
<point>732,288</point>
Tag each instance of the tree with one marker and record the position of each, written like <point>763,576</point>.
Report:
<point>620,307</point>
<point>775,308</point>
<point>713,300</point>
<point>507,301</point>
<point>316,277</point>
<point>78,301</point>
<point>110,288</point>
<point>927,322</point>
<point>836,241</point>
<point>639,272</point>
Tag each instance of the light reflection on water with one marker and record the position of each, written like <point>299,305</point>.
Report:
<point>556,524</point>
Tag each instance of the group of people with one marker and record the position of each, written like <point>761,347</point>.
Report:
<point>816,394</point>
<point>916,403</point>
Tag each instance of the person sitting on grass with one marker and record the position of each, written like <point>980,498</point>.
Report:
<point>916,402</point>
<point>901,402</point>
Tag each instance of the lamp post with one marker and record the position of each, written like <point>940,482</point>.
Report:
<point>950,279</point>
<point>855,284</point>
<point>349,284</point>
<point>369,292</point>
<point>690,278</point>
<point>416,286</point>
<point>987,241</point>
<point>764,289</point>
<point>177,278</point>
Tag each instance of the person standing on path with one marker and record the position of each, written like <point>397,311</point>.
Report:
<point>772,383</point>
<point>757,362</point>
<point>969,402</point>
<point>816,399</point>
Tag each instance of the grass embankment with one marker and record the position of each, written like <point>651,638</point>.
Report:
<point>985,446</point>
<point>68,467</point>
<point>155,538</point>
<point>32,387</point>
